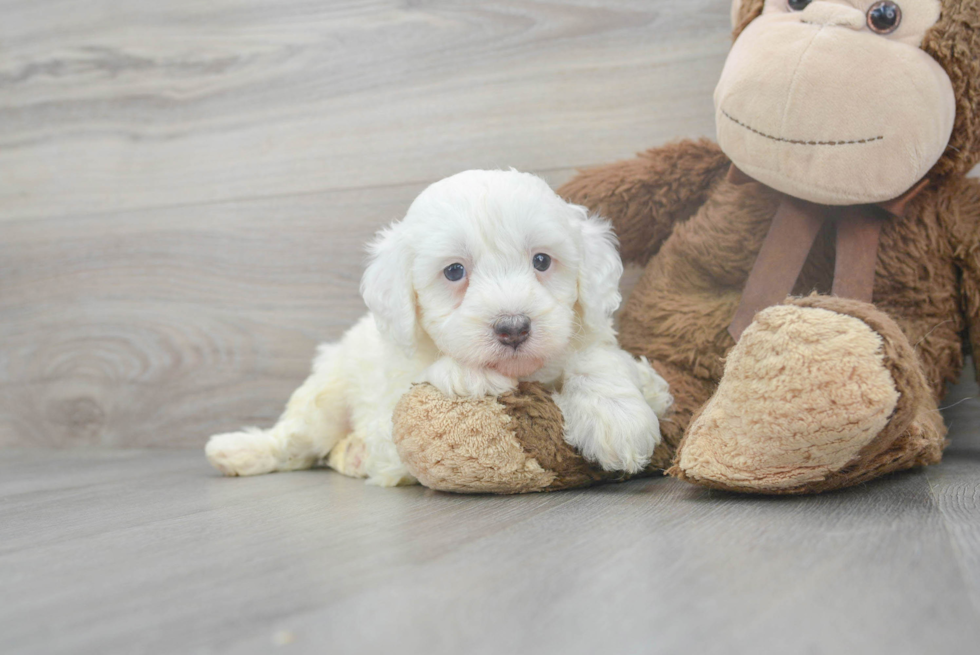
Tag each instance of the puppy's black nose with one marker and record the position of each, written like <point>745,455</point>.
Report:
<point>512,330</point>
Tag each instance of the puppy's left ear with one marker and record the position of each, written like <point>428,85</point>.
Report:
<point>387,287</point>
<point>600,270</point>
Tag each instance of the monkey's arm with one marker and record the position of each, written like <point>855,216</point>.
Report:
<point>965,206</point>
<point>645,196</point>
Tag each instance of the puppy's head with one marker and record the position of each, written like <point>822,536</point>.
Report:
<point>497,270</point>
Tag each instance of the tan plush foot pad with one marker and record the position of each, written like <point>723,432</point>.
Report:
<point>507,445</point>
<point>820,393</point>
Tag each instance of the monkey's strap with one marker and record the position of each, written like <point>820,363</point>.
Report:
<point>791,235</point>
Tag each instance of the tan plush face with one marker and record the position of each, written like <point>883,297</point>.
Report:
<point>824,101</point>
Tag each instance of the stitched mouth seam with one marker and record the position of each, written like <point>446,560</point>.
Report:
<point>797,141</point>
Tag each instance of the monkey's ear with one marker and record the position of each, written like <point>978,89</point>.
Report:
<point>743,13</point>
<point>736,13</point>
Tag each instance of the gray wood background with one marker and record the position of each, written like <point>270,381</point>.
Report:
<point>186,186</point>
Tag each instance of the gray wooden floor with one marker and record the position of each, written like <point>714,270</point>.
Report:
<point>149,551</point>
<point>185,187</point>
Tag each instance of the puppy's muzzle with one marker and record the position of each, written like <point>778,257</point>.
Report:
<point>512,330</point>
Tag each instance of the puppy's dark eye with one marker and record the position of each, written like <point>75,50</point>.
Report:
<point>798,5</point>
<point>542,262</point>
<point>884,17</point>
<point>454,272</point>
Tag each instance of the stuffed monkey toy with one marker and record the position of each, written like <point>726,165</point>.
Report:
<point>811,281</point>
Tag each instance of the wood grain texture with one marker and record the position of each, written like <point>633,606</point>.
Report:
<point>955,484</point>
<point>161,330</point>
<point>152,552</point>
<point>186,187</point>
<point>122,105</point>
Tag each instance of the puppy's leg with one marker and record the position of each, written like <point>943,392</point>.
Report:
<point>378,457</point>
<point>349,456</point>
<point>455,380</point>
<point>383,465</point>
<point>611,403</point>
<point>314,421</point>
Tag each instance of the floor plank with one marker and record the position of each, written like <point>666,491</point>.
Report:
<point>955,484</point>
<point>151,551</point>
<point>117,105</point>
<point>163,327</point>
<point>187,186</point>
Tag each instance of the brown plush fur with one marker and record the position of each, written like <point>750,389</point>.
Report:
<point>469,446</point>
<point>954,42</point>
<point>677,316</point>
<point>913,435</point>
<point>690,393</point>
<point>537,425</point>
<point>679,312</point>
<point>698,236</point>
<point>648,194</point>
<point>960,206</point>
<point>507,445</point>
<point>927,282</point>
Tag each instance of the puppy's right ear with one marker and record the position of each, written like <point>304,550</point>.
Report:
<point>387,287</point>
<point>599,271</point>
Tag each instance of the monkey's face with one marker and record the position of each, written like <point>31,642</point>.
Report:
<point>833,101</point>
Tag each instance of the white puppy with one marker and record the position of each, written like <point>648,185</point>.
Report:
<point>489,280</point>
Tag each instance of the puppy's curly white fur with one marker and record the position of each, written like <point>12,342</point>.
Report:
<point>490,279</point>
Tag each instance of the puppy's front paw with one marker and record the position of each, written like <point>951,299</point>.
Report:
<point>242,453</point>
<point>457,381</point>
<point>617,433</point>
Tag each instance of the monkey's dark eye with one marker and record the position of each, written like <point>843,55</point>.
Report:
<point>454,272</point>
<point>884,17</point>
<point>542,262</point>
<point>798,5</point>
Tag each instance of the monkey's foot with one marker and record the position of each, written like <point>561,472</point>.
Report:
<point>509,444</point>
<point>820,393</point>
